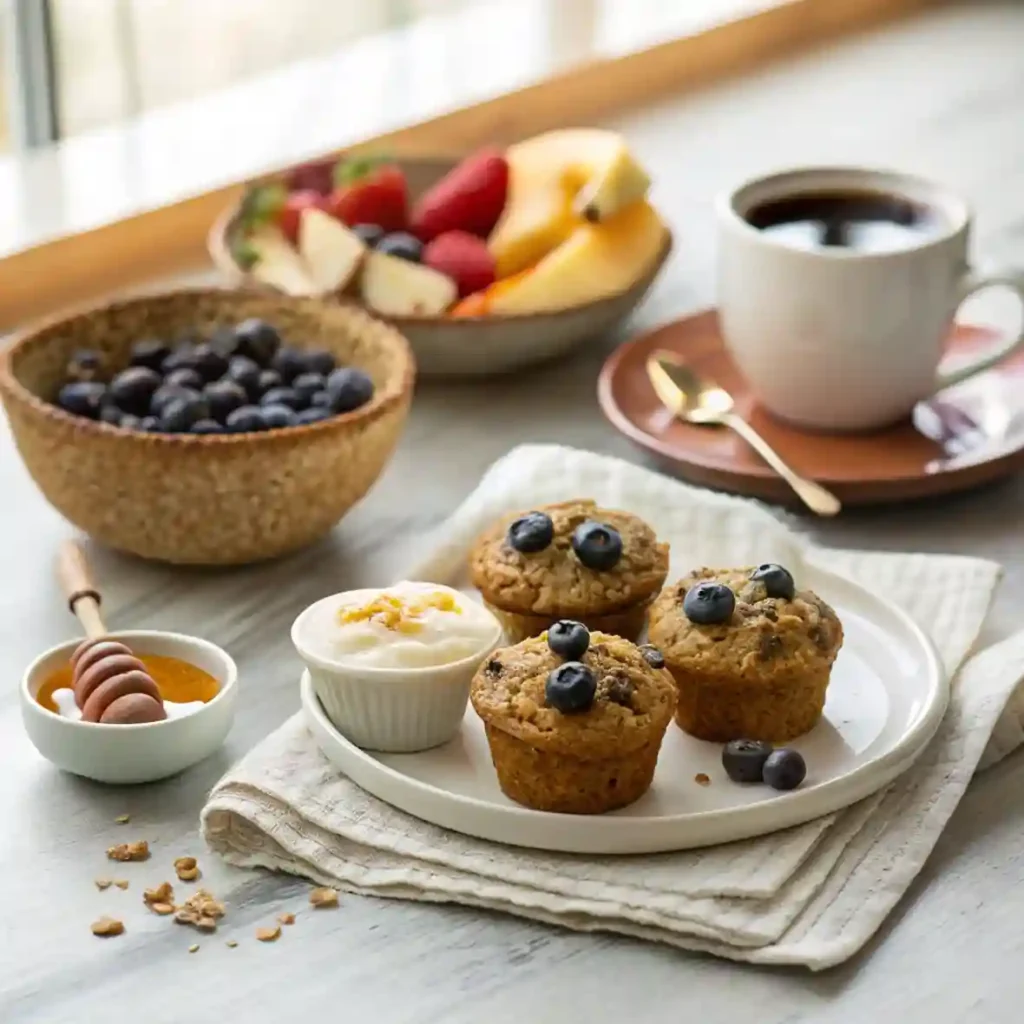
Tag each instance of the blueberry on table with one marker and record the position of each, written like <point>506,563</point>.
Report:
<point>784,769</point>
<point>283,396</point>
<point>743,760</point>
<point>531,533</point>
<point>206,427</point>
<point>597,546</point>
<point>257,340</point>
<point>314,414</point>
<point>84,365</point>
<point>349,388</point>
<point>82,398</point>
<point>371,234</point>
<point>306,385</point>
<point>167,393</point>
<point>178,415</point>
<point>246,373</point>
<point>245,420</point>
<point>778,582</point>
<point>709,604</point>
<point>209,363</point>
<point>652,655</point>
<point>132,389</point>
<point>570,687</point>
<point>318,360</point>
<point>569,639</point>
<point>289,362</point>
<point>150,352</point>
<point>224,397</point>
<point>185,377</point>
<point>277,416</point>
<point>269,379</point>
<point>401,244</point>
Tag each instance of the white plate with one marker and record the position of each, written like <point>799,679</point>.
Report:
<point>886,699</point>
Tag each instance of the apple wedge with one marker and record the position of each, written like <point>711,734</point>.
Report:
<point>277,264</point>
<point>397,287</point>
<point>332,253</point>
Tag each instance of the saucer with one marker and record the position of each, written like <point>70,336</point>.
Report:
<point>969,435</point>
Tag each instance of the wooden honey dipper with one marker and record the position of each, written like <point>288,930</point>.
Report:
<point>111,685</point>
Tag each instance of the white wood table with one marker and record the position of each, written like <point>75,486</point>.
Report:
<point>942,95</point>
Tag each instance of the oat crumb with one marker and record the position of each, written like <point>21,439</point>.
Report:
<point>194,948</point>
<point>187,869</point>
<point>231,944</point>
<point>163,893</point>
<point>103,883</point>
<point>324,897</point>
<point>201,910</point>
<point>121,883</point>
<point>107,927</point>
<point>287,919</point>
<point>701,779</point>
<point>129,851</point>
<point>123,819</point>
<point>269,934</point>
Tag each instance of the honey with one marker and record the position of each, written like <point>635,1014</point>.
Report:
<point>179,682</point>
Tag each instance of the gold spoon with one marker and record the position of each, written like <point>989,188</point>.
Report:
<point>703,402</point>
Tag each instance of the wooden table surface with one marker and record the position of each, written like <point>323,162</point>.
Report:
<point>942,95</point>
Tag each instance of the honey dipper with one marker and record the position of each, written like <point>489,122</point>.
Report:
<point>110,684</point>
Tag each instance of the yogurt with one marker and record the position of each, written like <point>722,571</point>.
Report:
<point>408,625</point>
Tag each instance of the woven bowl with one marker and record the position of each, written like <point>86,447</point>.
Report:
<point>472,346</point>
<point>212,499</point>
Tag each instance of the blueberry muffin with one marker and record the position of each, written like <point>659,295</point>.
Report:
<point>750,654</point>
<point>574,719</point>
<point>569,561</point>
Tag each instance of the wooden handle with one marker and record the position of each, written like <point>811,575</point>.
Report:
<point>77,583</point>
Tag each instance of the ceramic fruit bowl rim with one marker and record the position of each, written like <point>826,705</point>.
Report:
<point>384,398</point>
<point>220,253</point>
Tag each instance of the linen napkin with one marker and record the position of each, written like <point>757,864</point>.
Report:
<point>810,895</point>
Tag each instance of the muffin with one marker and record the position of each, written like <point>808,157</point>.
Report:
<point>750,654</point>
<point>574,719</point>
<point>569,561</point>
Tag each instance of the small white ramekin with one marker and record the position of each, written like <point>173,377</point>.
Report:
<point>145,752</point>
<point>393,710</point>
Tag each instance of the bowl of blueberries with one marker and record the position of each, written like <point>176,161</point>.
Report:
<point>207,426</point>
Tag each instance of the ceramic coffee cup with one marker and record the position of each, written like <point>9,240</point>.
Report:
<point>846,331</point>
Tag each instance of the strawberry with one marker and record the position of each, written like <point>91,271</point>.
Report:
<point>292,208</point>
<point>469,198</point>
<point>370,192</point>
<point>462,257</point>
<point>315,176</point>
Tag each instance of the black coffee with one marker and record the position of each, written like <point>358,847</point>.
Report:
<point>859,221</point>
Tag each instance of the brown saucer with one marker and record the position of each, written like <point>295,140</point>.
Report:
<point>973,434</point>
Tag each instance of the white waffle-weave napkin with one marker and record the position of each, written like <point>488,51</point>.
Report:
<point>811,895</point>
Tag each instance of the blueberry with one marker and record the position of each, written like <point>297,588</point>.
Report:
<point>569,639</point>
<point>257,340</point>
<point>306,385</point>
<point>282,396</point>
<point>246,373</point>
<point>245,420</point>
<point>321,400</point>
<point>206,427</point>
<point>268,379</point>
<point>652,655</point>
<point>314,414</point>
<point>178,415</point>
<point>185,377</point>
<point>149,424</point>
<point>150,352</point>
<point>289,362</point>
<point>110,414</point>
<point>133,388</point>
<point>371,234</point>
<point>570,687</point>
<point>778,582</point>
<point>182,357</point>
<point>277,416</point>
<point>530,533</point>
<point>349,388</point>
<point>597,546</point>
<point>167,393</point>
<point>318,360</point>
<point>130,422</point>
<point>743,760</point>
<point>224,396</point>
<point>784,769</point>
<point>709,604</point>
<point>401,244</point>
<point>82,398</point>
<point>209,363</point>
<point>224,341</point>
<point>84,365</point>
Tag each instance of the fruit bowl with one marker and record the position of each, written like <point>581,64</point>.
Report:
<point>466,345</point>
<point>216,499</point>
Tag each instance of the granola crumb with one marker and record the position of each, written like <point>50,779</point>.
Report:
<point>163,909</point>
<point>201,910</point>
<point>106,927</point>
<point>269,934</point>
<point>194,948</point>
<point>324,897</point>
<point>161,899</point>
<point>123,819</point>
<point>129,851</point>
<point>102,883</point>
<point>231,944</point>
<point>187,869</point>
<point>121,883</point>
<point>701,779</point>
<point>286,919</point>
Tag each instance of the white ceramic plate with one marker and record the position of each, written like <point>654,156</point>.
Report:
<point>886,699</point>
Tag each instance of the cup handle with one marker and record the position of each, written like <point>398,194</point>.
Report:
<point>971,282</point>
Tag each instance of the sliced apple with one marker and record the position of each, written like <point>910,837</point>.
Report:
<point>277,264</point>
<point>332,253</point>
<point>397,287</point>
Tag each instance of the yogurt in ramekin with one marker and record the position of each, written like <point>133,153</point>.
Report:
<point>392,666</point>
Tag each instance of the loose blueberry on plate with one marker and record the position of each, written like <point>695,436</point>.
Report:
<point>268,379</point>
<point>531,533</point>
<point>306,385</point>
<point>743,760</point>
<point>784,769</point>
<point>277,416</point>
<point>132,389</point>
<point>150,352</point>
<point>289,362</point>
<point>318,360</point>
<point>778,582</point>
<point>84,365</point>
<point>569,639</point>
<point>257,340</point>
<point>82,398</point>
<point>321,400</point>
<point>570,687</point>
<point>245,420</point>
<point>224,397</point>
<point>283,396</point>
<point>597,546</point>
<point>246,373</point>
<point>401,244</point>
<point>167,393</point>
<point>652,655</point>
<point>209,363</point>
<point>349,388</point>
<point>314,414</point>
<point>185,377</point>
<point>178,415</point>
<point>371,234</point>
<point>709,604</point>
<point>206,427</point>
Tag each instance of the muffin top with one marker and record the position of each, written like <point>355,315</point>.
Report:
<point>762,629</point>
<point>630,700</point>
<point>571,559</point>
